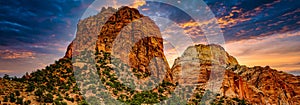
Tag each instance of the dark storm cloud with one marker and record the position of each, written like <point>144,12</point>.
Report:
<point>25,23</point>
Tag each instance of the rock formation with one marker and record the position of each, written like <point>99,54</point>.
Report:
<point>135,39</point>
<point>257,85</point>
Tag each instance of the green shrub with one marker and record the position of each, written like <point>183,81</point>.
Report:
<point>28,102</point>
<point>83,103</point>
<point>17,92</point>
<point>38,92</point>
<point>12,97</point>
<point>49,98</point>
<point>5,99</point>
<point>19,101</point>
<point>30,87</point>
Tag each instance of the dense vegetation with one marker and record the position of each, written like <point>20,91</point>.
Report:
<point>54,84</point>
<point>59,84</point>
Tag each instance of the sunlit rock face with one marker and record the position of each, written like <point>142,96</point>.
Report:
<point>127,34</point>
<point>257,85</point>
<point>127,49</point>
<point>136,41</point>
<point>87,32</point>
<point>269,86</point>
<point>197,61</point>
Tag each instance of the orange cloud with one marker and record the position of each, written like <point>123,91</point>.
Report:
<point>238,15</point>
<point>138,3</point>
<point>9,54</point>
<point>197,29</point>
<point>5,71</point>
<point>229,21</point>
<point>277,51</point>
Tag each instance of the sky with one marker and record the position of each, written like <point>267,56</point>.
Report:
<point>35,33</point>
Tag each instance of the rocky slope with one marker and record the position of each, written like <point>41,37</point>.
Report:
<point>55,84</point>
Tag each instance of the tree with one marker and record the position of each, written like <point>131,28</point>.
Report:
<point>12,97</point>
<point>28,102</point>
<point>39,92</point>
<point>6,76</point>
<point>30,87</point>
<point>19,101</point>
<point>17,93</point>
<point>83,103</point>
<point>5,99</point>
<point>49,98</point>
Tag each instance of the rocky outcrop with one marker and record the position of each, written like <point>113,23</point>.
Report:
<point>135,40</point>
<point>127,34</point>
<point>271,86</point>
<point>257,85</point>
<point>69,51</point>
<point>87,33</point>
<point>196,63</point>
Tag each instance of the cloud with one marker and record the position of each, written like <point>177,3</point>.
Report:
<point>235,17</point>
<point>295,72</point>
<point>5,71</point>
<point>24,23</point>
<point>9,54</point>
<point>245,19</point>
<point>138,3</point>
<point>280,51</point>
<point>18,66</point>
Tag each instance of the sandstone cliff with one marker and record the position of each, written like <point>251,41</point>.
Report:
<point>128,52</point>
<point>135,40</point>
<point>88,30</point>
<point>256,85</point>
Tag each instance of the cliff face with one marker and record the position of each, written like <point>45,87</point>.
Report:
<point>196,63</point>
<point>270,86</point>
<point>257,85</point>
<point>127,35</point>
<point>128,53</point>
<point>135,40</point>
<point>87,33</point>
